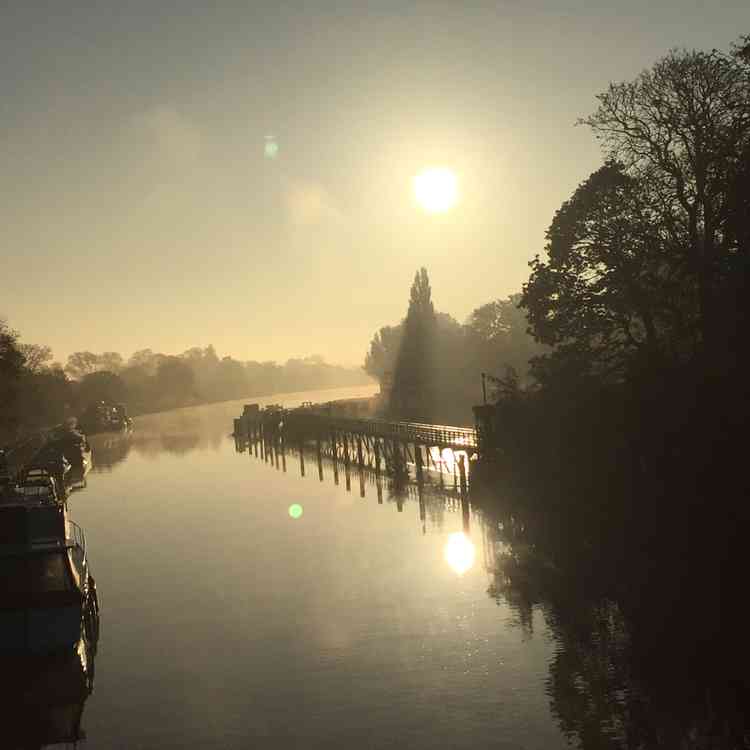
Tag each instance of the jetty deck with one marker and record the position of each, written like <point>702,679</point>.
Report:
<point>366,441</point>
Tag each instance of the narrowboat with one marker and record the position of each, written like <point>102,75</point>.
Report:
<point>46,590</point>
<point>39,486</point>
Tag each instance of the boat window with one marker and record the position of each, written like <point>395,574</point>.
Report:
<point>50,573</point>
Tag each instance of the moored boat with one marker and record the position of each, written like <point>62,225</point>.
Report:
<point>38,486</point>
<point>51,459</point>
<point>74,445</point>
<point>46,590</point>
<point>103,416</point>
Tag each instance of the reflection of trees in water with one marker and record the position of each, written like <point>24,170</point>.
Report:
<point>635,666</point>
<point>177,437</point>
<point>109,450</point>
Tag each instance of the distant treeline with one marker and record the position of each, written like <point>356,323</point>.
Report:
<point>36,392</point>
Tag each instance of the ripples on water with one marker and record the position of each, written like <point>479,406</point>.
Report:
<point>245,605</point>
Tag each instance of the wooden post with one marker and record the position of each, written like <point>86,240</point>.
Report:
<point>422,511</point>
<point>320,459</point>
<point>462,472</point>
<point>377,455</point>
<point>465,510</point>
<point>418,461</point>
<point>301,460</point>
<point>348,476</point>
<point>361,482</point>
<point>360,459</point>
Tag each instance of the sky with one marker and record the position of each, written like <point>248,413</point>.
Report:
<point>140,207</point>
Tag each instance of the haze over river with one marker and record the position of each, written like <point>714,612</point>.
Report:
<point>227,623</point>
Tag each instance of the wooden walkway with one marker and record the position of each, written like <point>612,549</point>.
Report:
<point>314,422</point>
<point>366,442</point>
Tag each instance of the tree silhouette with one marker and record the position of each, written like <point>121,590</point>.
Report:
<point>607,294</point>
<point>682,129</point>
<point>11,367</point>
<point>36,357</point>
<point>413,396</point>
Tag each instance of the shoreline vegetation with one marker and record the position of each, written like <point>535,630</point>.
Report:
<point>36,393</point>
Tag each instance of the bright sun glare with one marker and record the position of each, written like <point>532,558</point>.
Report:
<point>436,189</point>
<point>459,552</point>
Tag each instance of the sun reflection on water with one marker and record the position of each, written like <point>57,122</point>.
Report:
<point>459,552</point>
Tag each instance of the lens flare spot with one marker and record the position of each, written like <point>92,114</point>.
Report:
<point>271,147</point>
<point>459,552</point>
<point>295,511</point>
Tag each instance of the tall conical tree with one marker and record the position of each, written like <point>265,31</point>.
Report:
<point>413,393</point>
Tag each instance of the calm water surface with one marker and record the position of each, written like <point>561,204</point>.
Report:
<point>226,623</point>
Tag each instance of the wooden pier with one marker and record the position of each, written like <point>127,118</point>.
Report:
<point>371,443</point>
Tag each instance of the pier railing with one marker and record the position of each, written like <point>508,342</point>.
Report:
<point>309,420</point>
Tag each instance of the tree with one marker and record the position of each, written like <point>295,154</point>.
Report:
<point>608,294</point>
<point>175,380</point>
<point>682,129</point>
<point>146,359</point>
<point>80,364</point>
<point>413,393</point>
<point>110,361</point>
<point>101,386</point>
<point>384,348</point>
<point>11,368</point>
<point>35,357</point>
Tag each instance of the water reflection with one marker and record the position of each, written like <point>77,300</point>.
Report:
<point>44,696</point>
<point>349,611</point>
<point>459,552</point>
<point>604,687</point>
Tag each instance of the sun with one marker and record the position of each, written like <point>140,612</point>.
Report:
<point>436,189</point>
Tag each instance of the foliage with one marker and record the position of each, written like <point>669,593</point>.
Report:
<point>413,392</point>
<point>36,394</point>
<point>101,386</point>
<point>36,358</point>
<point>682,129</point>
<point>384,348</point>
<point>607,295</point>
<point>493,338</point>
<point>11,368</point>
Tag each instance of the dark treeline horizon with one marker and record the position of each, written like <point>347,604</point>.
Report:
<point>37,393</point>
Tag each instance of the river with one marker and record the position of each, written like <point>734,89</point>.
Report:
<point>227,623</point>
<point>256,600</point>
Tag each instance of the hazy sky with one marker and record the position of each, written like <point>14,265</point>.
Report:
<point>138,208</point>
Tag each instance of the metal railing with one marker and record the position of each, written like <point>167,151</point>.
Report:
<point>79,538</point>
<point>419,432</point>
